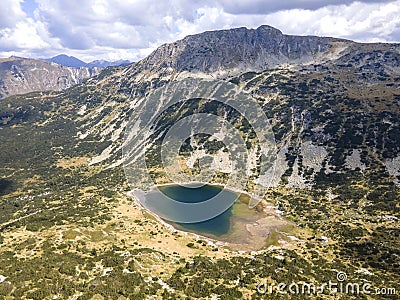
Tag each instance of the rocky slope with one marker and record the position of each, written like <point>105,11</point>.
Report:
<point>21,75</point>
<point>304,84</point>
<point>243,49</point>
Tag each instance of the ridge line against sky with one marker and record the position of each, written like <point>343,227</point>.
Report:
<point>125,29</point>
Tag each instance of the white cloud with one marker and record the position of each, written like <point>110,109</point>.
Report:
<point>20,34</point>
<point>24,35</point>
<point>125,24</point>
<point>129,29</point>
<point>10,13</point>
<point>356,21</point>
<point>263,7</point>
<point>360,21</point>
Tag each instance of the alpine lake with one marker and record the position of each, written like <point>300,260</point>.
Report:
<point>239,227</point>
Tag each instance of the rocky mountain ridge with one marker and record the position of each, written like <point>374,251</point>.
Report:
<point>242,49</point>
<point>22,75</point>
<point>300,78</point>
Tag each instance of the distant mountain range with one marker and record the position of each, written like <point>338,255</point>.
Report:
<point>20,75</point>
<point>70,61</point>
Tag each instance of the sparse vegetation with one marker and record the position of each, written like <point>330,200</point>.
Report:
<point>67,228</point>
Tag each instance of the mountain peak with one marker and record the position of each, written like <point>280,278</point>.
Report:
<point>267,28</point>
<point>68,61</point>
<point>238,48</point>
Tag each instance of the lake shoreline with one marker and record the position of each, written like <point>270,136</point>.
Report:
<point>170,227</point>
<point>267,221</point>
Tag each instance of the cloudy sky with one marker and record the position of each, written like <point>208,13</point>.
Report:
<point>130,29</point>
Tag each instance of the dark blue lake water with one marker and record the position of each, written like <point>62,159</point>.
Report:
<point>216,226</point>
